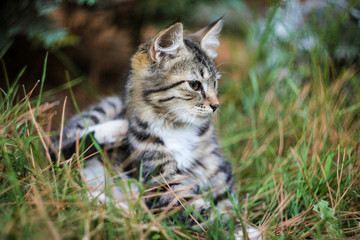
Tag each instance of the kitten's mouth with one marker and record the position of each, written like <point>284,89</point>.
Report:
<point>203,111</point>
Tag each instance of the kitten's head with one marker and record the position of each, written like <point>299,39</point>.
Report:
<point>173,76</point>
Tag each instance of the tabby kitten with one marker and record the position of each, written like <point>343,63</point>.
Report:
<point>165,132</point>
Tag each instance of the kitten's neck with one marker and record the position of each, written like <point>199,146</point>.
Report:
<point>180,140</point>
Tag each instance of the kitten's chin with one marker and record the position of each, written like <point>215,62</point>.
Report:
<point>194,119</point>
<point>195,116</point>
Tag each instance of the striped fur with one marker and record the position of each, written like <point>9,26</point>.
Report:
<point>166,132</point>
<point>108,114</point>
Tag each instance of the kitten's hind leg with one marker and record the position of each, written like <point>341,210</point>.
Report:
<point>252,233</point>
<point>102,188</point>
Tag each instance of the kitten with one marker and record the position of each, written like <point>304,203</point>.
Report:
<point>164,134</point>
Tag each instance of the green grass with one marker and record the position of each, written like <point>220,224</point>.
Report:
<point>290,129</point>
<point>292,149</point>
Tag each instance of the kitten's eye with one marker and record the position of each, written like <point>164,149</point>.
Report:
<point>195,85</point>
<point>215,84</point>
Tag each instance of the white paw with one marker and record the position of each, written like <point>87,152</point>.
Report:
<point>252,233</point>
<point>109,132</point>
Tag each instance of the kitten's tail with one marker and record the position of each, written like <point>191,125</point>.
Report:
<point>104,122</point>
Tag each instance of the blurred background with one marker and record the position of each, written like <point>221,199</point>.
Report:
<point>90,41</point>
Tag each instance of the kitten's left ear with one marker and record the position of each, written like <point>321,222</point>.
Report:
<point>208,38</point>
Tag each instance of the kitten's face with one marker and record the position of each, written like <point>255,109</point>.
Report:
<point>174,78</point>
<point>194,99</point>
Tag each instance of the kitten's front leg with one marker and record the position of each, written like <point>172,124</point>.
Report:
<point>221,182</point>
<point>224,209</point>
<point>167,187</point>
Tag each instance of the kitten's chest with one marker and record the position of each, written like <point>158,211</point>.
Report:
<point>181,143</point>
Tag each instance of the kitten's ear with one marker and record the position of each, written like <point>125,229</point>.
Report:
<point>208,38</point>
<point>168,41</point>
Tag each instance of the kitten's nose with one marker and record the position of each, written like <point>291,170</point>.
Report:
<point>214,107</point>
<point>212,100</point>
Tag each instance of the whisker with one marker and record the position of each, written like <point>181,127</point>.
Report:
<point>229,63</point>
<point>171,111</point>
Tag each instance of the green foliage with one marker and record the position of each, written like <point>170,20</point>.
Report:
<point>327,215</point>
<point>86,2</point>
<point>29,18</point>
<point>296,32</point>
<point>165,12</point>
<point>289,122</point>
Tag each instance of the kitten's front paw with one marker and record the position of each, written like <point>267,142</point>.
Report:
<point>252,233</point>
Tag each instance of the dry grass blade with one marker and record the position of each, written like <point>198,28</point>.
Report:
<point>43,213</point>
<point>61,130</point>
<point>37,127</point>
